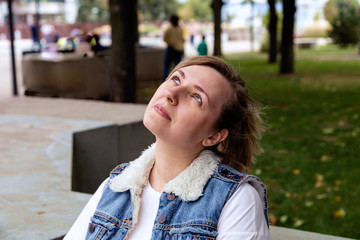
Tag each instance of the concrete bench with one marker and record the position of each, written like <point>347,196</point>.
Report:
<point>72,75</point>
<point>305,43</point>
<point>281,233</point>
<point>97,151</point>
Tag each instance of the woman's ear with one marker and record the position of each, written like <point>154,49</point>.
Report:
<point>215,138</point>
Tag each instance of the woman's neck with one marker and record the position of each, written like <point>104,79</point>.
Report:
<point>170,160</point>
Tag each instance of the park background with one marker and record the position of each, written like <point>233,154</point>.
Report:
<point>311,148</point>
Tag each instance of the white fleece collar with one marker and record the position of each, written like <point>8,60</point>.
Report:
<point>188,185</point>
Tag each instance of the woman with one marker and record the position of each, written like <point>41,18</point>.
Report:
<point>185,186</point>
<point>173,36</point>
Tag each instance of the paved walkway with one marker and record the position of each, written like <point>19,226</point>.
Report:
<point>35,161</point>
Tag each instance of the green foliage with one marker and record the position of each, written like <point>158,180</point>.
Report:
<point>149,10</point>
<point>196,10</point>
<point>93,11</point>
<point>311,148</point>
<point>157,10</point>
<point>331,8</point>
<point>344,17</point>
<point>265,45</point>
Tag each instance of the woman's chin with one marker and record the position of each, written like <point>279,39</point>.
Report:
<point>152,126</point>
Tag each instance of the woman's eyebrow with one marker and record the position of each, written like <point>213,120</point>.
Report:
<point>203,91</point>
<point>195,86</point>
<point>181,73</point>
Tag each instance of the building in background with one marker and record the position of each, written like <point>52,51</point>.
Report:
<point>54,10</point>
<point>24,12</point>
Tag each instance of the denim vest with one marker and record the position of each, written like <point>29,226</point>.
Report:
<point>189,207</point>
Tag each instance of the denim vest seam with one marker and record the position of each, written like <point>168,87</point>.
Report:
<point>116,233</point>
<point>119,169</point>
<point>231,192</point>
<point>222,179</point>
<point>191,235</point>
<point>172,211</point>
<point>111,219</point>
<point>231,176</point>
<point>106,217</point>
<point>103,230</point>
<point>164,227</point>
<point>207,224</point>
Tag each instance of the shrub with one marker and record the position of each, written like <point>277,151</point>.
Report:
<point>345,23</point>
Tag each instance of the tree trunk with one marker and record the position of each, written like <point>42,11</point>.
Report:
<point>124,37</point>
<point>216,5</point>
<point>272,32</point>
<point>287,37</point>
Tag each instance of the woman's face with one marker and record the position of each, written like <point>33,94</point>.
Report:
<point>185,107</point>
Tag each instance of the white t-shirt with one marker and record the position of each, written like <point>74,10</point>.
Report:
<point>241,218</point>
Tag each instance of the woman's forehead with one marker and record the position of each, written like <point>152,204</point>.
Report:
<point>209,79</point>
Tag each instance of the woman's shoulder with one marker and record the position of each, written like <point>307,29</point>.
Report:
<point>247,185</point>
<point>227,173</point>
<point>231,174</point>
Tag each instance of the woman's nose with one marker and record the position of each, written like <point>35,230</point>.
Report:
<point>172,96</point>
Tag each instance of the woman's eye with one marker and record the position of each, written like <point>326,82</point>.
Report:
<point>176,80</point>
<point>197,98</point>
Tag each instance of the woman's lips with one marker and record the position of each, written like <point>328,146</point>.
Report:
<point>160,110</point>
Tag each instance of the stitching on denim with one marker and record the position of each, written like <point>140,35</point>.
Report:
<point>116,233</point>
<point>230,193</point>
<point>127,221</point>
<point>191,235</point>
<point>107,217</point>
<point>113,220</point>
<point>101,230</point>
<point>226,173</point>
<point>118,169</point>
<point>172,212</point>
<point>188,224</point>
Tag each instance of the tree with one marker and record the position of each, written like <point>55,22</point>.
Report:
<point>272,32</point>
<point>198,9</point>
<point>330,10</point>
<point>252,3</point>
<point>287,37</point>
<point>93,11</point>
<point>123,19</point>
<point>157,10</point>
<point>216,5</point>
<point>186,12</point>
<point>344,18</point>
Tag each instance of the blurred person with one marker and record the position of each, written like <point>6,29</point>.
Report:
<point>35,34</point>
<point>193,32</point>
<point>47,29</point>
<point>189,184</point>
<point>173,36</point>
<point>202,47</point>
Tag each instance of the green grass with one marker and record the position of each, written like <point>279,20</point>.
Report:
<point>310,162</point>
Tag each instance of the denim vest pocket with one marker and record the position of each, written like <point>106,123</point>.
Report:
<point>101,228</point>
<point>192,233</point>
